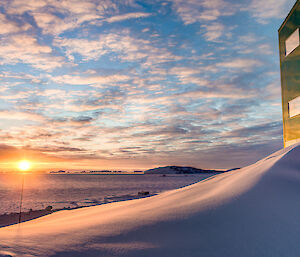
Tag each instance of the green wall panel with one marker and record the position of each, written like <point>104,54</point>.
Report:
<point>290,74</point>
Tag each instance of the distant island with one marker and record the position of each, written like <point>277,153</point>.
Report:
<point>103,172</point>
<point>180,170</point>
<point>159,170</point>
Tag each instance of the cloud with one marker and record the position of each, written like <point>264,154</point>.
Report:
<point>15,96</point>
<point>9,26</point>
<point>54,93</point>
<point>88,49</point>
<point>253,44</point>
<point>192,11</point>
<point>19,115</point>
<point>127,16</point>
<point>243,64</point>
<point>10,155</point>
<point>265,49</point>
<point>71,122</point>
<point>263,11</point>
<point>52,24</point>
<point>29,78</point>
<point>19,6</point>
<point>55,17</point>
<point>273,90</point>
<point>214,31</point>
<point>96,81</point>
<point>270,130</point>
<point>26,49</point>
<point>82,120</point>
<point>54,149</point>
<point>127,48</point>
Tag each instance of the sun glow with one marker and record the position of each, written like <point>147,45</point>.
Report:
<point>24,165</point>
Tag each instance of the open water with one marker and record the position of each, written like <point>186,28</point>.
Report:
<point>73,190</point>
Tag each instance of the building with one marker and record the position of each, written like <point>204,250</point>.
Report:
<point>289,49</point>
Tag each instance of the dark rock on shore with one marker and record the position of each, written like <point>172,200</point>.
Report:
<point>13,218</point>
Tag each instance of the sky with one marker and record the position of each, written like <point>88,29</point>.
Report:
<point>132,85</point>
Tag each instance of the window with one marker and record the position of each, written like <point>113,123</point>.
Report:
<point>292,42</point>
<point>294,107</point>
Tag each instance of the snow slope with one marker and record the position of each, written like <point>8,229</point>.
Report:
<point>254,211</point>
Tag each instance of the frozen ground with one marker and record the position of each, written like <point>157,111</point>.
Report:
<point>253,212</point>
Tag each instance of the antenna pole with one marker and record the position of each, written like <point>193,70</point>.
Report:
<point>21,199</point>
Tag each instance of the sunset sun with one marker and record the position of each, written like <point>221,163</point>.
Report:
<point>24,165</point>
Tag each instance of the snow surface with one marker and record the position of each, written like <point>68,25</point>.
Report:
<point>253,212</point>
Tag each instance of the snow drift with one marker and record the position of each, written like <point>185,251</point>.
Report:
<point>253,212</point>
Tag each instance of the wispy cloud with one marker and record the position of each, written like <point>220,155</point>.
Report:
<point>207,10</point>
<point>122,43</point>
<point>266,10</point>
<point>19,115</point>
<point>55,17</point>
<point>96,81</point>
<point>10,26</point>
<point>25,48</point>
<point>127,16</point>
<point>240,64</point>
<point>214,31</point>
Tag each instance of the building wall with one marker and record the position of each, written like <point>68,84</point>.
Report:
<point>289,48</point>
